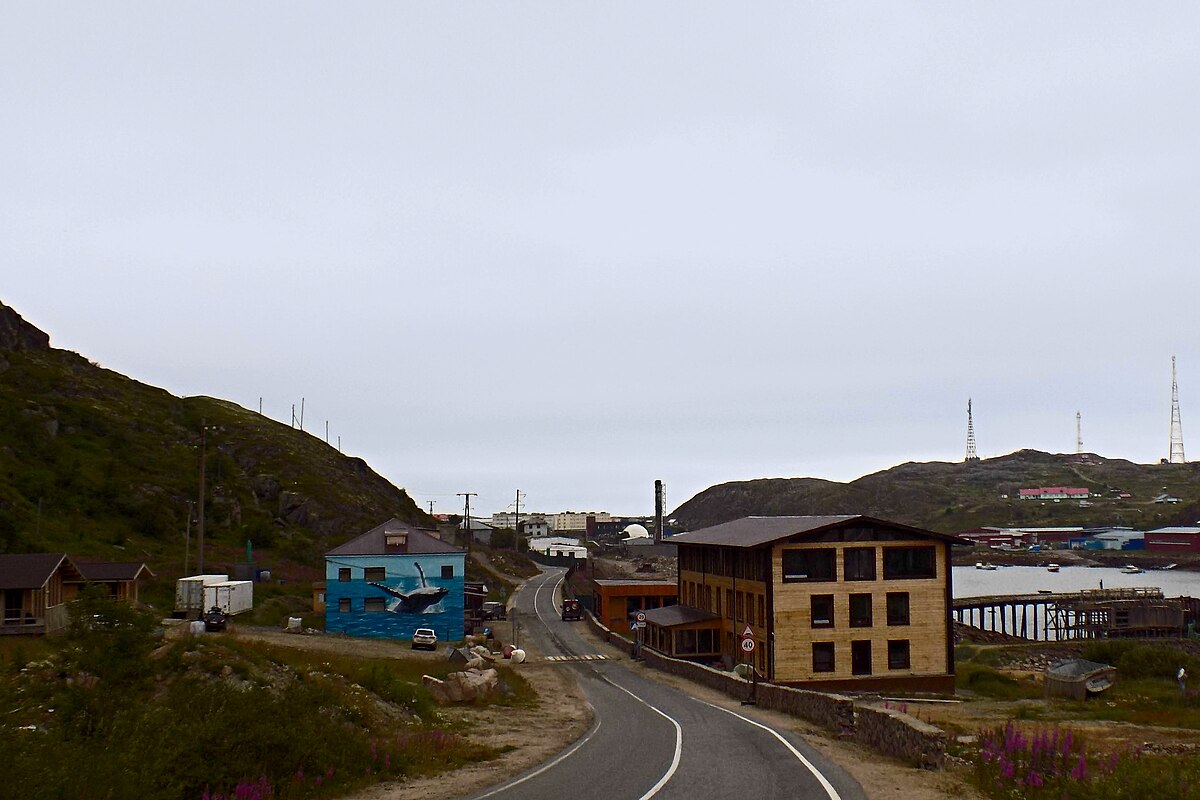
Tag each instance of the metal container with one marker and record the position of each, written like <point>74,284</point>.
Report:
<point>189,592</point>
<point>232,597</point>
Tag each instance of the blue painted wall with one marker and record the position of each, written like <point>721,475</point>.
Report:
<point>444,614</point>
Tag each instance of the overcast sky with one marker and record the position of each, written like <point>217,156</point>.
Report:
<point>573,248</point>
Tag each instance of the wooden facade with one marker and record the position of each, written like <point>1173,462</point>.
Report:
<point>36,587</point>
<point>613,601</point>
<point>846,602</point>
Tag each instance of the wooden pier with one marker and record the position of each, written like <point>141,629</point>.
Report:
<point>1089,614</point>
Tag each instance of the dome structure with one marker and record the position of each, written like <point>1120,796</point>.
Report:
<point>636,531</point>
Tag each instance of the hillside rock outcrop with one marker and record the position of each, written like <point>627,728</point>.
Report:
<point>17,334</point>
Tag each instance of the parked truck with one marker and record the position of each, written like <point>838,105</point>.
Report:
<point>189,594</point>
<point>231,597</point>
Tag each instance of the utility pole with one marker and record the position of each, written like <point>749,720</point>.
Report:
<point>200,518</point>
<point>1078,435</point>
<point>470,535</point>
<point>431,508</point>
<point>187,538</point>
<point>517,524</point>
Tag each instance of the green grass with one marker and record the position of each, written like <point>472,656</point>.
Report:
<point>109,711</point>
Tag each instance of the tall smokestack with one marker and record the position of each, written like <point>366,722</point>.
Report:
<point>658,512</point>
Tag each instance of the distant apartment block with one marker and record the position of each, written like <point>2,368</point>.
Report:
<point>1053,493</point>
<point>575,521</point>
<point>507,519</point>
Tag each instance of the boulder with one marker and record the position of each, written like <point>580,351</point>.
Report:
<point>462,686</point>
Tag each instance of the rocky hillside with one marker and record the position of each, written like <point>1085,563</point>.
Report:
<point>99,465</point>
<point>950,497</point>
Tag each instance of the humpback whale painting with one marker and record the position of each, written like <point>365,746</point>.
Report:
<point>418,600</point>
<point>393,579</point>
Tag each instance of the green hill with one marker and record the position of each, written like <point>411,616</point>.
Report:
<point>100,466</point>
<point>949,497</point>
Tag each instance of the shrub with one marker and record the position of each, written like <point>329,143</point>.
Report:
<point>1054,764</point>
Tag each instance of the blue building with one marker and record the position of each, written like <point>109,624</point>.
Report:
<point>394,579</point>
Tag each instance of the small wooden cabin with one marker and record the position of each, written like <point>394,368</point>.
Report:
<point>36,589</point>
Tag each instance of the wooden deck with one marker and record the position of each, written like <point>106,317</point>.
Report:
<point>1089,614</point>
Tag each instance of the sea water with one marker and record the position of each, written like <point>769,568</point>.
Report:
<point>972,582</point>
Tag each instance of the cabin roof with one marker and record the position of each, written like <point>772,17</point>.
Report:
<point>101,571</point>
<point>670,616</point>
<point>759,531</point>
<point>32,570</point>
<point>374,542</point>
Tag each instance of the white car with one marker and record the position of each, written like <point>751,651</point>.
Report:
<point>424,638</point>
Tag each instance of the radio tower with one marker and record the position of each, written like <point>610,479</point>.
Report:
<point>1176,425</point>
<point>1078,436</point>
<point>971,454</point>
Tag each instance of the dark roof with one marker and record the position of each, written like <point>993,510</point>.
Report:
<point>372,543</point>
<point>758,531</point>
<point>31,570</point>
<point>102,571</point>
<point>670,616</point>
<point>627,582</point>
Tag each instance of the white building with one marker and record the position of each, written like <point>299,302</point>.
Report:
<point>558,546</point>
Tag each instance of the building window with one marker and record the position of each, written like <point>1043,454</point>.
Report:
<point>729,603</point>
<point>860,657</point>
<point>762,610</point>
<point>809,565</point>
<point>822,610</point>
<point>741,606</point>
<point>343,605</point>
<point>822,656</point>
<point>898,654</point>
<point>375,604</point>
<point>344,574</point>
<point>905,563</point>
<point>374,574</point>
<point>897,608</point>
<point>860,611</point>
<point>448,571</point>
<point>858,563</point>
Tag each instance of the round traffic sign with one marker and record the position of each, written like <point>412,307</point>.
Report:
<point>747,645</point>
<point>641,616</point>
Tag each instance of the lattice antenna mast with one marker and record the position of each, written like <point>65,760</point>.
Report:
<point>971,454</point>
<point>1176,424</point>
<point>1078,435</point>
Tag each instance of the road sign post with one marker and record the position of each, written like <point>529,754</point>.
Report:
<point>748,646</point>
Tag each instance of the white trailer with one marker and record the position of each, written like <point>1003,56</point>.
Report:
<point>189,592</point>
<point>232,597</point>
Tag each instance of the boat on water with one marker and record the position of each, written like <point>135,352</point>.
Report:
<point>981,565</point>
<point>1052,568</point>
<point>1132,569</point>
<point>1167,566</point>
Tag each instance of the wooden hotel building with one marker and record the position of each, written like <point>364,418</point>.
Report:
<point>833,602</point>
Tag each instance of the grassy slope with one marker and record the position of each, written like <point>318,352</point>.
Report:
<point>950,497</point>
<point>114,464</point>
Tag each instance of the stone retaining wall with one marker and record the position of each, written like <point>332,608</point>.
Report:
<point>897,734</point>
<point>887,730</point>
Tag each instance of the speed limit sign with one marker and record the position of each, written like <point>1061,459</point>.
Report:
<point>747,645</point>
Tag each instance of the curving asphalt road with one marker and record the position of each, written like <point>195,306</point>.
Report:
<point>649,740</point>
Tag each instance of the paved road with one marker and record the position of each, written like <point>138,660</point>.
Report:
<point>651,740</point>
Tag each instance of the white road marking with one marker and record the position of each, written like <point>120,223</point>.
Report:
<point>832,792</point>
<point>653,790</point>
<point>544,767</point>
